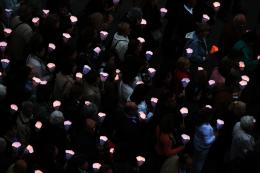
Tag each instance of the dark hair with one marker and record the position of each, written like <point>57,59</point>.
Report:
<point>204,115</point>
<point>36,43</point>
<point>139,94</point>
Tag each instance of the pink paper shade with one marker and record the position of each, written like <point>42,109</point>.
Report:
<point>111,150</point>
<point>148,55</point>
<point>103,140</point>
<point>184,111</point>
<point>151,72</point>
<point>220,123</point>
<point>154,101</point>
<point>86,69</point>
<point>45,11</point>
<point>142,115</point>
<point>87,103</point>
<point>29,149</point>
<point>38,171</point>
<point>66,37</point>
<point>38,125</point>
<point>185,82</point>
<point>103,35</point>
<point>51,66</point>
<point>73,19</point>
<point>141,40</point>
<point>97,50</point>
<point>163,11</point>
<point>7,31</point>
<point>103,76</point>
<point>140,160</point>
<point>56,104</point>
<point>205,18</point>
<point>14,107</point>
<point>143,22</point>
<point>185,138</point>
<point>69,154</point>
<point>16,145</point>
<point>79,76</point>
<point>189,51</point>
<point>96,167</point>
<point>51,47</point>
<point>245,78</point>
<point>211,82</point>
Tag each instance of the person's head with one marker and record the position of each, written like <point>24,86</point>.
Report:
<point>131,109</point>
<point>37,45</point>
<point>247,123</point>
<point>204,115</point>
<point>90,125</point>
<point>96,20</point>
<point>52,22</point>
<point>56,118</point>
<point>238,108</point>
<point>202,30</point>
<point>123,29</point>
<point>139,94</point>
<point>20,166</point>
<point>240,22</point>
<point>191,3</point>
<point>27,108</point>
<point>25,13</point>
<point>135,15</point>
<point>183,64</point>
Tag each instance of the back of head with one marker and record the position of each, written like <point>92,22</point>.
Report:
<point>56,118</point>
<point>20,166</point>
<point>25,13</point>
<point>247,123</point>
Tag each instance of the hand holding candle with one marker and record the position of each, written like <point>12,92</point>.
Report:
<point>205,18</point>
<point>141,40</point>
<point>51,67</point>
<point>79,76</point>
<point>151,72</point>
<point>242,84</point>
<point>16,146</point>
<point>211,83</point>
<point>38,125</point>
<point>7,32</point>
<point>29,149</point>
<point>3,45</point>
<point>103,76</point>
<point>216,6</point>
<point>101,116</point>
<point>5,63</point>
<point>143,22</point>
<point>73,19</point>
<point>242,65</point>
<point>38,171</point>
<point>36,21</point>
<point>14,108</point>
<point>154,101</point>
<point>245,78</point>
<point>66,37</point>
<point>51,47</point>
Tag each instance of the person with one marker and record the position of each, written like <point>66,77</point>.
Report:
<point>203,139</point>
<point>120,41</point>
<point>20,166</point>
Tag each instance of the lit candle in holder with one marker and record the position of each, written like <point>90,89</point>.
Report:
<point>67,125</point>
<point>151,72</point>
<point>96,167</point>
<point>51,47</point>
<point>216,6</point>
<point>86,69</point>
<point>87,103</point>
<point>36,81</point>
<point>245,78</point>
<point>258,57</point>
<point>205,18</point>
<point>3,45</point>
<point>8,12</point>
<point>163,12</point>
<point>79,76</point>
<point>200,68</point>
<point>69,154</point>
<point>36,21</point>
<point>56,104</point>
<point>97,50</point>
<point>208,106</point>
<point>43,82</point>
<point>148,55</point>
<point>185,82</point>
<point>139,83</point>
<point>103,76</point>
<point>154,101</point>
<point>242,65</point>
<point>103,140</point>
<point>16,145</point>
<point>220,123</point>
<point>142,115</point>
<point>7,31</point>
<point>5,63</point>
<point>185,138</point>
<point>242,84</point>
<point>45,12</point>
<point>140,160</point>
<point>141,40</point>
<point>184,111</point>
<point>51,67</point>
<point>189,51</point>
<point>211,83</point>
<point>29,149</point>
<point>66,37</point>
<point>14,108</point>
<point>103,35</point>
<point>101,116</point>
<point>73,19</point>
<point>38,125</point>
<point>143,22</point>
<point>111,150</point>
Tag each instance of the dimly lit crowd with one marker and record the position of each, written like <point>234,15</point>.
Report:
<point>168,87</point>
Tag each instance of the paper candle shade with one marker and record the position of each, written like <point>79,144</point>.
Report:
<point>140,160</point>
<point>184,111</point>
<point>115,2</point>
<point>51,47</point>
<point>208,106</point>
<point>220,123</point>
<point>14,107</point>
<point>56,104</point>
<point>243,84</point>
<point>101,116</point>
<point>242,65</point>
<point>43,82</point>
<point>211,83</point>
<point>245,78</point>
<point>205,18</point>
<point>185,82</point>
<point>51,66</point>
<point>103,140</point>
<point>143,22</point>
<point>148,55</point>
<point>163,12</point>
<point>38,171</point>
<point>141,40</point>
<point>67,125</point>
<point>73,19</point>
<point>79,76</point>
<point>111,150</point>
<point>97,50</point>
<point>5,63</point>
<point>87,103</point>
<point>96,167</point>
<point>16,146</point>
<point>185,138</point>
<point>103,35</point>
<point>103,76</point>
<point>3,45</point>
<point>154,101</point>
<point>7,31</point>
<point>66,37</point>
<point>258,57</point>
<point>189,51</point>
<point>139,83</point>
<point>36,21</point>
<point>151,72</point>
<point>29,149</point>
<point>69,154</point>
<point>8,12</point>
<point>200,68</point>
<point>216,6</point>
<point>46,12</point>
<point>38,125</point>
<point>86,69</point>
<point>142,115</point>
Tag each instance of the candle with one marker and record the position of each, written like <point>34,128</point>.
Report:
<point>38,125</point>
<point>3,45</point>
<point>87,103</point>
<point>51,47</point>
<point>141,40</point>
<point>205,18</point>
<point>97,50</point>
<point>185,138</point>
<point>86,69</point>
<point>36,81</point>
<point>79,76</point>
<point>16,145</point>
<point>214,49</point>
<point>200,68</point>
<point>8,12</point>
<point>220,123</point>
<point>140,160</point>
<point>258,57</point>
<point>245,78</point>
<point>46,12</point>
<point>51,67</point>
<point>154,101</point>
<point>67,125</point>
<point>111,150</point>
<point>139,83</point>
<point>242,84</point>
<point>43,82</point>
<point>142,115</point>
<point>29,149</point>
<point>96,167</point>
<point>36,21</point>
<point>56,104</point>
<point>211,83</point>
<point>148,55</point>
<point>185,82</point>
<point>184,111</point>
<point>151,72</point>
<point>208,106</point>
<point>216,6</point>
<point>143,22</point>
<point>103,35</point>
<point>73,19</point>
<point>115,2</point>
<point>38,171</point>
<point>14,107</point>
<point>101,116</point>
<point>189,51</point>
<point>69,154</point>
<point>66,37</point>
<point>242,65</point>
<point>5,63</point>
<point>7,31</point>
<point>103,140</point>
<point>163,12</point>
<point>103,76</point>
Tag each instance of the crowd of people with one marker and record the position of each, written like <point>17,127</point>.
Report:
<point>149,91</point>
